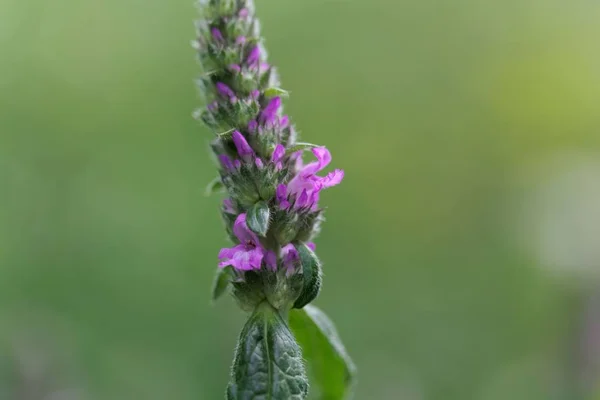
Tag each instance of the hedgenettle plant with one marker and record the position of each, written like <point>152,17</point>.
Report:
<point>271,214</point>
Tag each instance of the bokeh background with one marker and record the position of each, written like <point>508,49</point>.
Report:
<point>462,251</point>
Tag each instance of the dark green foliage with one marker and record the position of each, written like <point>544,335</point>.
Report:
<point>268,362</point>
<point>330,368</point>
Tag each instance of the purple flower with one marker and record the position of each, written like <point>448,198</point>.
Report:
<point>226,162</point>
<point>242,146</point>
<point>306,185</point>
<point>247,255</point>
<point>228,206</point>
<point>282,197</point>
<point>332,178</point>
<point>212,107</point>
<point>296,158</point>
<point>240,40</point>
<point>234,68</point>
<point>225,90</point>
<point>290,257</point>
<point>244,13</point>
<point>253,56</point>
<point>323,159</point>
<point>302,200</point>
<point>284,122</point>
<point>277,156</point>
<point>271,110</point>
<point>271,260</point>
<point>252,126</point>
<point>259,163</point>
<point>216,34</point>
<point>264,67</point>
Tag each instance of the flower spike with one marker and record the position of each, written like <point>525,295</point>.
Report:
<point>271,212</point>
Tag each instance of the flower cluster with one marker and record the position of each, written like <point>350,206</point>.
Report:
<point>272,208</point>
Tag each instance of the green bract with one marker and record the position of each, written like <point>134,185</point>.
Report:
<point>222,279</point>
<point>258,218</point>
<point>311,273</point>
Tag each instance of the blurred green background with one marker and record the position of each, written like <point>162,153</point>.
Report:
<point>461,252</point>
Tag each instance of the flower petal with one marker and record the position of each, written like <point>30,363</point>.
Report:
<point>228,206</point>
<point>281,193</point>
<point>268,114</point>
<point>224,90</point>
<point>302,200</point>
<point>241,144</point>
<point>248,260</point>
<point>227,252</point>
<point>323,159</point>
<point>226,161</point>
<point>278,154</point>
<point>213,107</point>
<point>314,200</point>
<point>243,233</point>
<point>216,34</point>
<point>290,257</point>
<point>271,260</point>
<point>332,178</point>
<point>263,67</point>
<point>284,122</point>
<point>300,183</point>
<point>252,125</point>
<point>234,68</point>
<point>228,255</point>
<point>239,257</point>
<point>253,56</point>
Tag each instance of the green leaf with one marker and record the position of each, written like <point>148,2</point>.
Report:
<point>311,272</point>
<point>276,91</point>
<point>300,146</point>
<point>330,368</point>
<point>221,283</point>
<point>226,134</point>
<point>216,185</point>
<point>257,218</point>
<point>268,362</point>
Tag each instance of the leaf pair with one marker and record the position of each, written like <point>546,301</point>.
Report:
<point>268,362</point>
